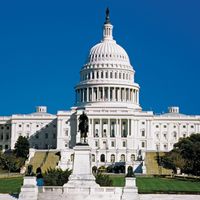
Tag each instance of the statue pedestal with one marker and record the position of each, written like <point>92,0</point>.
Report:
<point>82,170</point>
<point>29,190</point>
<point>130,190</point>
<point>65,162</point>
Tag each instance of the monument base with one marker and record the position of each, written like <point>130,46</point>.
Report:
<point>130,191</point>
<point>82,170</point>
<point>29,190</point>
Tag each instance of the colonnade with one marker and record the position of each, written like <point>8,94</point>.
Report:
<point>110,127</point>
<point>93,94</point>
<point>102,74</point>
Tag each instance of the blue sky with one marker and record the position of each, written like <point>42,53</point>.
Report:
<point>43,45</point>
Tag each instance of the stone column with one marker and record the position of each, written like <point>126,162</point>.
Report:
<point>87,91</point>
<point>119,95</point>
<point>97,96</point>
<point>103,93</point>
<point>120,127</point>
<point>108,93</point>
<point>113,94</point>
<point>128,127</point>
<point>100,127</point>
<point>83,95</point>
<point>108,128</point>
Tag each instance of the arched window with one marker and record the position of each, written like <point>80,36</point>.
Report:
<point>93,158</point>
<point>96,133</point>
<point>115,74</point>
<point>132,157</point>
<point>122,158</point>
<point>97,75</point>
<point>102,158</point>
<point>111,75</point>
<point>123,76</point>
<point>112,158</point>
<point>101,74</point>
<point>119,75</point>
<point>72,157</point>
<point>106,74</point>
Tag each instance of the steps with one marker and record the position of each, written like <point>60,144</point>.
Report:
<point>51,161</point>
<point>44,159</point>
<point>152,165</point>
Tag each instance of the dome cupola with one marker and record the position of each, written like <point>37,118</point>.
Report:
<point>108,51</point>
<point>107,78</point>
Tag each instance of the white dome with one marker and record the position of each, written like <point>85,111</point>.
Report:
<point>107,78</point>
<point>108,51</point>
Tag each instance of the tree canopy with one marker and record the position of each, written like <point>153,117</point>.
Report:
<point>22,147</point>
<point>185,155</point>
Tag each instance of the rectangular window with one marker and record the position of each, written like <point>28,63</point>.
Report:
<point>143,133</point>
<point>46,135</point>
<point>143,144</point>
<point>112,144</point>
<point>124,144</point>
<point>96,144</point>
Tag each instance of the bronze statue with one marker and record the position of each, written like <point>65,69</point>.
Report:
<point>30,171</point>
<point>83,126</point>
<point>130,172</point>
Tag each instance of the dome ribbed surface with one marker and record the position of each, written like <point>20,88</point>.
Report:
<point>108,51</point>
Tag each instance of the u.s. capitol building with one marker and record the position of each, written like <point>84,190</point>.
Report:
<point>119,130</point>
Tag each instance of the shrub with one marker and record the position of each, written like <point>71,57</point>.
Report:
<point>103,180</point>
<point>56,177</point>
<point>102,169</point>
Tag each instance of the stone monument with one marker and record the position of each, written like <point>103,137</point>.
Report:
<point>81,176</point>
<point>29,190</point>
<point>130,191</point>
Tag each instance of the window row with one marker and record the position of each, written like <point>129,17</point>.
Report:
<point>165,135</point>
<point>4,127</point>
<point>112,158</point>
<point>165,126</point>
<point>6,147</point>
<point>37,125</point>
<point>5,137</point>
<point>112,144</point>
<point>105,75</point>
<point>96,57</point>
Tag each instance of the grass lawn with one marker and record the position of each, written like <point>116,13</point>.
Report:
<point>118,180</point>
<point>10,185</point>
<point>166,185</point>
<point>160,185</point>
<point>144,184</point>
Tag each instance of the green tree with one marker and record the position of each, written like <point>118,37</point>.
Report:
<point>22,147</point>
<point>10,162</point>
<point>185,155</point>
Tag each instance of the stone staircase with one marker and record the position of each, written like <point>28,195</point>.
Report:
<point>45,160</point>
<point>152,166</point>
<point>7,197</point>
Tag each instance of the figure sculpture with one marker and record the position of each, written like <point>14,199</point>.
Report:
<point>83,127</point>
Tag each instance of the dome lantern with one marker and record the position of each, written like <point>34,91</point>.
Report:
<point>108,27</point>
